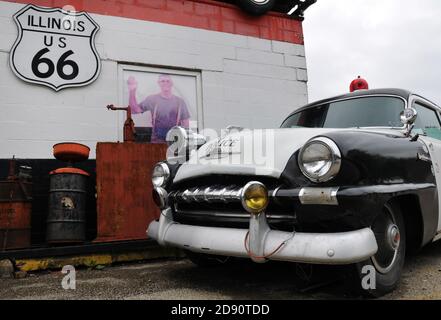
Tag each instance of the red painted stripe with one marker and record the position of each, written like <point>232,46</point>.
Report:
<point>203,14</point>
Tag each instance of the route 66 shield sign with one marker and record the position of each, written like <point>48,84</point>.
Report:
<point>55,48</point>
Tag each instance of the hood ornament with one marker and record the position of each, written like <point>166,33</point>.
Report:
<point>181,142</point>
<point>408,117</point>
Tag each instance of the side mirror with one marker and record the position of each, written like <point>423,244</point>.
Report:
<point>408,117</point>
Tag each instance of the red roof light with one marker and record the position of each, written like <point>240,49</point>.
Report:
<point>358,84</point>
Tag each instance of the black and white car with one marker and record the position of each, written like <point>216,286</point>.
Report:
<point>354,181</point>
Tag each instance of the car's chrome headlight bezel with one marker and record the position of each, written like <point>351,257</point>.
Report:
<point>163,178</point>
<point>335,160</point>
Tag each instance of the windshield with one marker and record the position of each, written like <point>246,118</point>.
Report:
<point>358,112</point>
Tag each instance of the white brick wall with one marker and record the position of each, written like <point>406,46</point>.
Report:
<point>245,81</point>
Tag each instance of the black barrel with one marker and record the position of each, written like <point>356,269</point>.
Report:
<point>66,221</point>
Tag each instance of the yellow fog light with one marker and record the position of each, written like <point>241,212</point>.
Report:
<point>254,197</point>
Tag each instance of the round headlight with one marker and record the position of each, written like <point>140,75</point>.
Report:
<point>320,159</point>
<point>160,175</point>
<point>254,197</point>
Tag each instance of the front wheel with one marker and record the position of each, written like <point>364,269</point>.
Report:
<point>381,273</point>
<point>256,7</point>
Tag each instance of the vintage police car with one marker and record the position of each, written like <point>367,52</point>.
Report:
<point>354,181</point>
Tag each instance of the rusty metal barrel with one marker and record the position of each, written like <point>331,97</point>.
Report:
<point>66,220</point>
<point>15,212</point>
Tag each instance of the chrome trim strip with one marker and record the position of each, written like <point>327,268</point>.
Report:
<point>274,193</point>
<point>319,196</point>
<point>230,214</point>
<point>208,194</point>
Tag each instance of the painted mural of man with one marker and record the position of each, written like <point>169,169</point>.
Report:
<point>167,109</point>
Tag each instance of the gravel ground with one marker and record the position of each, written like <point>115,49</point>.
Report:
<point>180,279</point>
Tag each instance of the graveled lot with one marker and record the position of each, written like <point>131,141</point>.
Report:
<point>180,279</point>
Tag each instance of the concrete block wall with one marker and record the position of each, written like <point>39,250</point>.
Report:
<point>247,80</point>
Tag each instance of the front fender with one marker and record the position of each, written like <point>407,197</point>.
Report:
<point>376,167</point>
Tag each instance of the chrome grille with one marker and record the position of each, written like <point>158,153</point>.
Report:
<point>220,205</point>
<point>208,194</point>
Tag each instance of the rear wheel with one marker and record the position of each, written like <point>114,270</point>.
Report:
<point>387,264</point>
<point>256,7</point>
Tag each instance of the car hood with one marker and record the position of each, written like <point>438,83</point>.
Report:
<point>263,152</point>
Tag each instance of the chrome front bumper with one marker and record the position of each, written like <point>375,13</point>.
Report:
<point>314,248</point>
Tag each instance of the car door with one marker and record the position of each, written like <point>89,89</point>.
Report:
<point>428,125</point>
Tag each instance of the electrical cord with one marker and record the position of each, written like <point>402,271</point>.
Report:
<point>265,256</point>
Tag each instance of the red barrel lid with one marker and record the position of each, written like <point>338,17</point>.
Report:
<point>69,171</point>
<point>71,152</point>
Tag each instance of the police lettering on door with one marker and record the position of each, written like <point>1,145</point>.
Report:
<point>55,48</point>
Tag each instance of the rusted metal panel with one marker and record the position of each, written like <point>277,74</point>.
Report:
<point>124,201</point>
<point>15,230</point>
<point>15,215</point>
